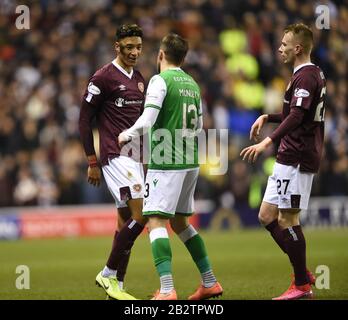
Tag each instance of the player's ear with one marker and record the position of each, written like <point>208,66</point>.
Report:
<point>160,55</point>
<point>117,47</point>
<point>298,49</point>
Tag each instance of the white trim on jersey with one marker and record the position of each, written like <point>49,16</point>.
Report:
<point>303,65</point>
<point>156,91</point>
<point>129,75</point>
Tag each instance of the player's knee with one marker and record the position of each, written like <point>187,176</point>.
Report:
<point>289,218</point>
<point>140,219</point>
<point>264,218</point>
<point>178,225</point>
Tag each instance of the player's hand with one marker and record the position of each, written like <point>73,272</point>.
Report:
<point>251,153</point>
<point>94,176</point>
<point>257,126</point>
<point>123,139</point>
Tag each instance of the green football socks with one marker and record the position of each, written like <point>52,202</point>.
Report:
<point>162,255</point>
<point>195,245</point>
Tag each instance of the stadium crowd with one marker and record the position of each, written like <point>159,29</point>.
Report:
<point>233,56</point>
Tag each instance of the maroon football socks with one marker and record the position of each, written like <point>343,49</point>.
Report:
<point>295,245</point>
<point>121,247</point>
<point>277,234</point>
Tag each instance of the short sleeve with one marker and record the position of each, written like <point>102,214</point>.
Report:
<point>304,91</point>
<point>95,92</point>
<point>156,92</point>
<point>200,108</point>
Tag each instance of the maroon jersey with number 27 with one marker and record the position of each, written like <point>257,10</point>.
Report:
<point>303,145</point>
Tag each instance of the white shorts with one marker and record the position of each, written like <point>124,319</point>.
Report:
<point>170,191</point>
<point>125,179</point>
<point>288,187</point>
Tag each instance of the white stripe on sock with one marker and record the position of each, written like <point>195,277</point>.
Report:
<point>130,226</point>
<point>208,279</point>
<point>293,233</point>
<point>167,283</point>
<point>158,233</point>
<point>107,272</point>
<point>188,233</point>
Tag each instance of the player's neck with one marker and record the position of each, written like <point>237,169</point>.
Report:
<point>301,60</point>
<point>128,69</point>
<point>165,66</point>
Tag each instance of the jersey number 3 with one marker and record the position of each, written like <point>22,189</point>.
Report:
<point>190,119</point>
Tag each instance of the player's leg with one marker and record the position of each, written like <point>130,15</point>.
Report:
<point>192,240</point>
<point>268,217</point>
<point>268,214</point>
<point>123,214</point>
<point>127,235</point>
<point>125,181</point>
<point>160,200</point>
<point>294,191</point>
<point>195,245</point>
<point>296,249</point>
<point>162,255</point>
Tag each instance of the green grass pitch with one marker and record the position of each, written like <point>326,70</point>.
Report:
<point>247,263</point>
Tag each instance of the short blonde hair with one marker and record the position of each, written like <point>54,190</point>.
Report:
<point>303,33</point>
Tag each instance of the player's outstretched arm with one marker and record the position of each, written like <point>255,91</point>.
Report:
<point>251,153</point>
<point>140,127</point>
<point>257,126</point>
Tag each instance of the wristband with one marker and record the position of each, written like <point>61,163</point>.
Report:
<point>92,163</point>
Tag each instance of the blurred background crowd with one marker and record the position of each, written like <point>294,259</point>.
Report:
<point>233,56</point>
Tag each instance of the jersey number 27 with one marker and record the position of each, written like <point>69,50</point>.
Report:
<point>320,111</point>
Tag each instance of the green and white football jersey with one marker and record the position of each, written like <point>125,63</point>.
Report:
<point>173,136</point>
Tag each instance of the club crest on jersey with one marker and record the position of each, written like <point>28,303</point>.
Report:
<point>141,87</point>
<point>301,93</point>
<point>93,89</point>
<point>122,87</point>
<point>119,102</point>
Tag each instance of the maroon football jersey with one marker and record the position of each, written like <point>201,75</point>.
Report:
<point>304,144</point>
<point>120,102</point>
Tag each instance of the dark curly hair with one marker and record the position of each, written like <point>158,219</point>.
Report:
<point>128,30</point>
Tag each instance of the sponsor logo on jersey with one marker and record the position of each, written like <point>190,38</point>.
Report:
<point>93,89</point>
<point>141,86</point>
<point>122,87</point>
<point>155,182</point>
<point>126,102</point>
<point>119,102</point>
<point>301,93</point>
<point>137,187</point>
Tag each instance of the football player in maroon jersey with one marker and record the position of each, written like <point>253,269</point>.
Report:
<point>300,136</point>
<point>115,98</point>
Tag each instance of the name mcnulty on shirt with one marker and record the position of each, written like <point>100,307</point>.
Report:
<point>188,93</point>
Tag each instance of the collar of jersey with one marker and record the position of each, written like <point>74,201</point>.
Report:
<point>303,65</point>
<point>175,68</point>
<point>129,75</point>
